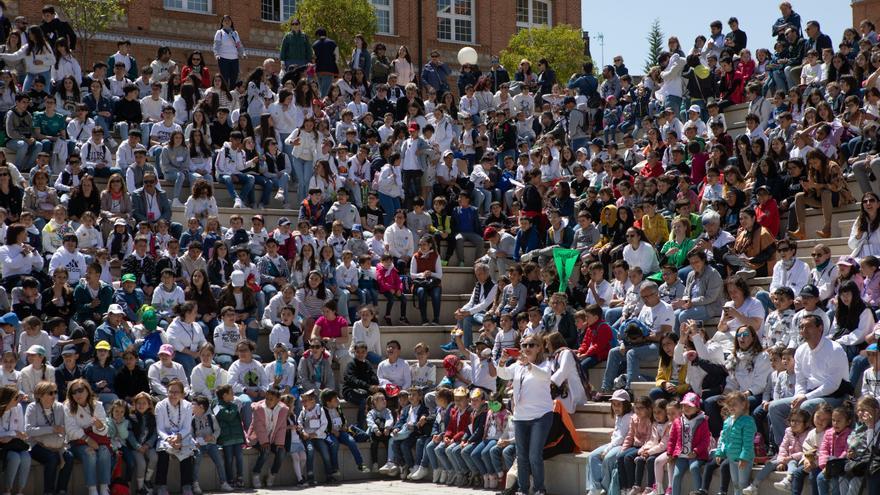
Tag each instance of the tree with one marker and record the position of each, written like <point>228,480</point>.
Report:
<point>90,17</point>
<point>561,45</point>
<point>343,19</point>
<point>655,45</point>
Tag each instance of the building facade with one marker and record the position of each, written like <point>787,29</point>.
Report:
<point>446,25</point>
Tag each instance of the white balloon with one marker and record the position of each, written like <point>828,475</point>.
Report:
<point>467,55</point>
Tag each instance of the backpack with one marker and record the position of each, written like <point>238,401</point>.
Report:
<point>150,347</point>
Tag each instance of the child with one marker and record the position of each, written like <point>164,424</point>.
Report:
<point>339,430</point>
<point>391,286</point>
<point>688,442</point>
<point>295,443</point>
<point>226,335</point>
<point>9,375</point>
<point>207,377</point>
<point>411,431</point>
<point>424,373</point>
<point>778,324</point>
<point>117,427</point>
<point>482,365</point>
<point>871,377</point>
<point>377,244</point>
<point>366,330</point>
<point>281,372</point>
<point>780,386</point>
<point>790,453</point>
<point>266,434</point>
<point>368,286</point>
<point>231,438</point>
<point>671,377</point>
<point>166,296</point>
<point>206,429</point>
<point>33,335</point>
<point>38,370</point>
<point>832,452</point>
<point>860,442</point>
<point>474,438</point>
<point>648,453</point>
<point>505,338</point>
<point>142,442</point>
<point>314,423</point>
<point>89,237</point>
<point>739,437</point>
<point>443,398</point>
<point>457,423</point>
<point>598,469</point>
<point>641,427</point>
<point>671,289</point>
<point>17,456</point>
<point>380,422</point>
<point>356,243</point>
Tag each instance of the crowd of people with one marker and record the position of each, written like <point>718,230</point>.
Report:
<point>132,316</point>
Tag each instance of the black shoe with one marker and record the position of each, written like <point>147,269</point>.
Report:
<point>507,491</point>
<point>388,320</point>
<point>312,482</point>
<point>403,320</point>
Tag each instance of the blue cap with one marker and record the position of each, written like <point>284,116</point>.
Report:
<point>357,228</point>
<point>873,348</point>
<point>10,319</point>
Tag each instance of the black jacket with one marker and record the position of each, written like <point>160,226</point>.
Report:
<point>130,383</point>
<point>57,29</point>
<point>359,375</point>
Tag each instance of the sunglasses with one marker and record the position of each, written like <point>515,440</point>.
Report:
<point>817,255</point>
<point>743,334</point>
<point>869,200</point>
<point>528,345</point>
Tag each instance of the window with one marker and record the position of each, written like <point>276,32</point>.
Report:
<point>277,10</point>
<point>455,20</point>
<point>384,16</point>
<point>201,6</point>
<point>532,13</point>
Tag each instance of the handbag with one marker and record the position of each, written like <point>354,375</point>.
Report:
<point>425,283</point>
<point>835,467</point>
<point>15,445</point>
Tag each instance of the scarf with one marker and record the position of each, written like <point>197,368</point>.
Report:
<point>822,266</point>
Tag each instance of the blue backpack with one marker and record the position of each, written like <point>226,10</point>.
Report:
<point>150,347</point>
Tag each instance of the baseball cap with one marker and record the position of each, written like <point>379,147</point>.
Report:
<point>283,221</point>
<point>115,309</point>
<point>357,228</point>
<point>129,277</point>
<point>694,108</point>
<point>102,345</point>
<point>691,399</point>
<point>10,319</point>
<point>68,350</point>
<point>119,221</point>
<point>166,349</point>
<point>237,278</point>
<point>413,126</point>
<point>873,348</point>
<point>37,349</point>
<point>484,341</point>
<point>809,290</point>
<point>621,395</point>
<point>489,233</point>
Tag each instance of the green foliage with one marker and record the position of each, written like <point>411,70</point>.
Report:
<point>655,45</point>
<point>89,17</point>
<point>342,19</point>
<point>561,45</point>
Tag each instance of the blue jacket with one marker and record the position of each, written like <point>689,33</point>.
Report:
<point>586,84</point>
<point>94,374</point>
<point>130,302</point>
<point>436,76</point>
<point>738,439</point>
<point>422,411</point>
<point>526,241</point>
<point>465,220</point>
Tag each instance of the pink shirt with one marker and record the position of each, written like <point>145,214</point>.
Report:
<point>331,329</point>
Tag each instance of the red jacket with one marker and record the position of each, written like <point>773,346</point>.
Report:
<point>597,341</point>
<point>287,249</point>
<point>257,433</point>
<point>389,280</point>
<point>768,216</point>
<point>699,443</point>
<point>652,169</point>
<point>204,76</point>
<point>458,423</point>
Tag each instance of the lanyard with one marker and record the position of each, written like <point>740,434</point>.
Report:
<point>174,425</point>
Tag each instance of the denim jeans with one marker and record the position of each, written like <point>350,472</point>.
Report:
<point>96,465</point>
<point>247,413</point>
<point>53,479</point>
<point>829,486</point>
<point>266,196</point>
<point>780,409</point>
<point>246,181</point>
<point>178,177</point>
<point>531,435</point>
<point>799,476</point>
<point>233,461</point>
<point>390,304</point>
<point>857,368</point>
<point>277,456</point>
<point>422,294</point>
<point>25,154</point>
<point>770,467</point>
<point>626,467</point>
<point>17,466</point>
<point>632,359</point>
<point>324,83</point>
<point>429,456</point>
<point>344,438</point>
<point>228,70</point>
<point>696,313</point>
<point>673,103</point>
<point>303,171</point>
<point>587,363</point>
<point>682,465</point>
<point>213,451</point>
<point>389,205</point>
<point>188,362</point>
<point>467,324</point>
<point>442,455</point>
<point>453,454</point>
<point>502,457</point>
<point>32,76</point>
<point>740,476</point>
<point>473,456</point>
<point>368,296</point>
<point>323,449</point>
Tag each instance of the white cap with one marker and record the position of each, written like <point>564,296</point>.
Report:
<point>237,278</point>
<point>695,108</point>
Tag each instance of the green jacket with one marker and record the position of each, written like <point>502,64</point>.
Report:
<point>82,300</point>
<point>229,418</point>
<point>296,46</point>
<point>737,442</point>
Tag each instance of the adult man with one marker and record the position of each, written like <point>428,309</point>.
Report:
<point>482,297</point>
<point>296,50</point>
<point>576,123</point>
<point>611,84</point>
<point>326,54</point>
<point>497,74</point>
<point>20,130</point>
<point>702,291</point>
<point>736,39</point>
<point>149,204</point>
<point>816,39</point>
<point>657,317</point>
<point>789,19</point>
<point>435,73</point>
<point>821,370</point>
<point>123,56</point>
<point>500,254</point>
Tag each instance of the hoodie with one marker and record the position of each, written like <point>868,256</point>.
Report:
<point>689,435</point>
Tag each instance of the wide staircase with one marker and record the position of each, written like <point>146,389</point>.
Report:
<point>565,474</point>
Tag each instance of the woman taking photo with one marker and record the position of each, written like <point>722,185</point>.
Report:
<point>864,238</point>
<point>824,188</point>
<point>754,251</point>
<point>426,272</point>
<point>309,302</point>
<point>86,423</point>
<point>533,414</point>
<point>19,259</point>
<point>174,417</point>
<point>740,310</point>
<point>44,425</point>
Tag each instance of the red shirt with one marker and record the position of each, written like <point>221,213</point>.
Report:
<point>768,216</point>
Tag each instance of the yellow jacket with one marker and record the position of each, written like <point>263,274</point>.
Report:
<point>656,228</point>
<point>664,374</point>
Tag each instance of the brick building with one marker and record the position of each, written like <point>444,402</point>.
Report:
<point>865,9</point>
<point>447,25</point>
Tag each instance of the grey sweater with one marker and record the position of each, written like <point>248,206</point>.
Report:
<point>174,159</point>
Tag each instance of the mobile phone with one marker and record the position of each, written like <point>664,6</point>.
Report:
<point>700,324</point>
<point>512,352</point>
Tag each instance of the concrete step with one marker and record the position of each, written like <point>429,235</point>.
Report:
<point>640,389</point>
<point>593,437</point>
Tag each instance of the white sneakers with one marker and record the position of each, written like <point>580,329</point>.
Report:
<point>175,203</point>
<point>225,487</point>
<point>196,488</point>
<point>444,475</point>
<point>256,482</point>
<point>238,203</point>
<point>420,473</point>
<point>279,196</point>
<point>784,485</point>
<point>389,469</point>
<point>436,475</point>
<point>270,480</point>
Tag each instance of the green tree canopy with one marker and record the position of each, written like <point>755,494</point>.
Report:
<point>343,19</point>
<point>655,45</point>
<point>89,17</point>
<point>561,45</point>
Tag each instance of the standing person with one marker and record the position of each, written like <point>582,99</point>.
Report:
<point>436,73</point>
<point>228,49</point>
<point>296,50</point>
<point>86,424</point>
<point>174,417</point>
<point>326,54</point>
<point>533,414</point>
<point>54,29</point>
<point>738,446</point>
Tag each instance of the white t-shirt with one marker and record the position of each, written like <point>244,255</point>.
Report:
<point>656,317</point>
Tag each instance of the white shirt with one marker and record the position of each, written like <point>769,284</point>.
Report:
<point>795,278</point>
<point>397,373</point>
<point>655,318</point>
<point>818,372</point>
<point>410,158</point>
<point>531,389</point>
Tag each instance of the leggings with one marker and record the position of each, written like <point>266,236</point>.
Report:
<point>186,470</point>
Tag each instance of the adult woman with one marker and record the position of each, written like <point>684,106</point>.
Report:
<point>17,459</point>
<point>853,327</point>
<point>403,66</point>
<point>426,273</point>
<point>12,45</point>
<point>67,96</point>
<point>17,258</point>
<point>359,381</point>
<point>37,55</point>
<point>227,50</point>
<point>533,415</point>
<point>219,265</point>
<point>11,196</point>
<point>741,309</point>
<point>825,187</point>
<point>754,251</point>
<point>115,202</point>
<point>44,425</point>
<point>84,197</point>
<point>221,89</point>
<point>675,250</point>
<point>304,142</point>
<point>174,162</point>
<point>747,371</point>
<point>195,64</point>
<point>58,298</point>
<point>199,291</point>
<point>390,187</point>
<point>309,301</point>
<point>380,66</point>
<point>702,289</point>
<point>185,335</point>
<point>40,199</point>
<point>704,359</point>
<point>565,381</point>
<point>86,423</point>
<point>864,237</point>
<point>639,252</point>
<point>174,417</point>
<point>242,298</point>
